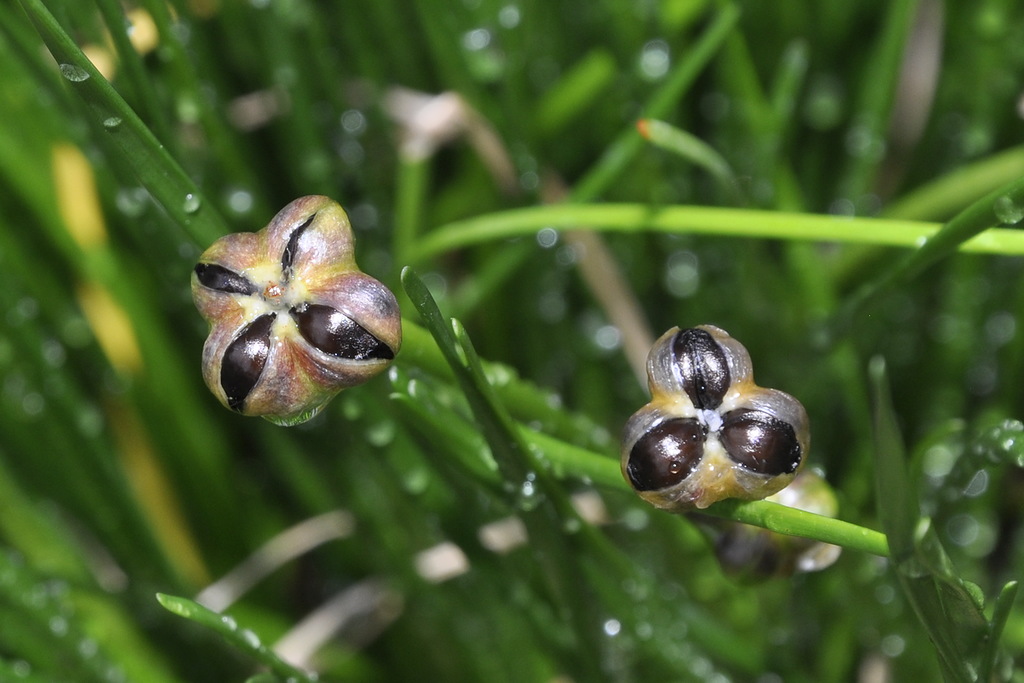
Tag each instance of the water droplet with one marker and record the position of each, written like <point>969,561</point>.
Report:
<point>353,122</point>
<point>612,627</point>
<point>608,337</point>
<point>509,16</point>
<point>862,142</point>
<point>1008,211</point>
<point>250,638</point>
<point>477,39</point>
<point>547,237</point>
<point>892,645</point>
<point>978,485</point>
<point>682,274</point>
<point>229,622</point>
<point>111,122</point>
<point>240,201</point>
<point>416,479</point>
<point>87,647</point>
<point>58,626</point>
<point>381,433</point>
<point>131,201</point>
<point>192,203</point>
<point>75,74</point>
<point>654,60</point>
<point>33,403</point>
<point>528,498</point>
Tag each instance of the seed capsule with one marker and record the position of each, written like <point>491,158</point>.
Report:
<point>293,320</point>
<point>709,432</point>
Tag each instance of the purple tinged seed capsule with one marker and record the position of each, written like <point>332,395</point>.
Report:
<point>293,320</point>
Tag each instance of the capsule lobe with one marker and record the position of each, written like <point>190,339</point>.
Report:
<point>334,333</point>
<point>292,248</point>
<point>703,366</point>
<point>760,443</point>
<point>666,454</point>
<point>244,360</point>
<point>219,278</point>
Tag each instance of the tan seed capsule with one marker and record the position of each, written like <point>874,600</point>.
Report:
<point>293,320</point>
<point>709,432</point>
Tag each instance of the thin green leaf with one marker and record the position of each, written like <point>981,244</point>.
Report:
<point>544,507</point>
<point>947,607</point>
<point>689,147</point>
<point>242,638</point>
<point>451,436</point>
<point>158,172</point>
<point>950,193</point>
<point>625,147</point>
<point>1004,205</point>
<point>575,92</point>
<point>629,218</point>
<point>1000,615</point>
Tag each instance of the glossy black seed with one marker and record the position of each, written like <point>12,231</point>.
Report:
<point>333,332</point>
<point>703,366</point>
<point>223,280</point>
<point>666,454</point>
<point>245,359</point>
<point>760,443</point>
<point>290,249</point>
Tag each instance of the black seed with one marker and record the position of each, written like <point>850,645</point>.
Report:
<point>666,454</point>
<point>245,359</point>
<point>333,332</point>
<point>288,257</point>
<point>703,366</point>
<point>223,280</point>
<point>760,443</point>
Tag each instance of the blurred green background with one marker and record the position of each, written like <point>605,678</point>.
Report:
<point>395,552</point>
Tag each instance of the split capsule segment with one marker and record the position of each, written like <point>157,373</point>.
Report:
<point>293,320</point>
<point>709,432</point>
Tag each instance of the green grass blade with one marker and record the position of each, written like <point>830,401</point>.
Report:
<point>946,606</point>
<point>625,147</point>
<point>157,171</point>
<point>688,147</point>
<point>243,639</point>
<point>699,220</point>
<point>944,196</point>
<point>542,505</point>
<point>1004,205</point>
<point>1000,615</point>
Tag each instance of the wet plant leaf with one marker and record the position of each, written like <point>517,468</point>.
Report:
<point>240,637</point>
<point>949,608</point>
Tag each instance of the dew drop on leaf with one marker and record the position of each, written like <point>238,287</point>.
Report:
<point>192,203</point>
<point>75,74</point>
<point>1008,211</point>
<point>250,638</point>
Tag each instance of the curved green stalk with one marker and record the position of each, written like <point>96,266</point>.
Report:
<point>706,221</point>
<point>567,460</point>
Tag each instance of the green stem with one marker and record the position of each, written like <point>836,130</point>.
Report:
<point>411,193</point>
<point>703,220</point>
<point>567,461</point>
